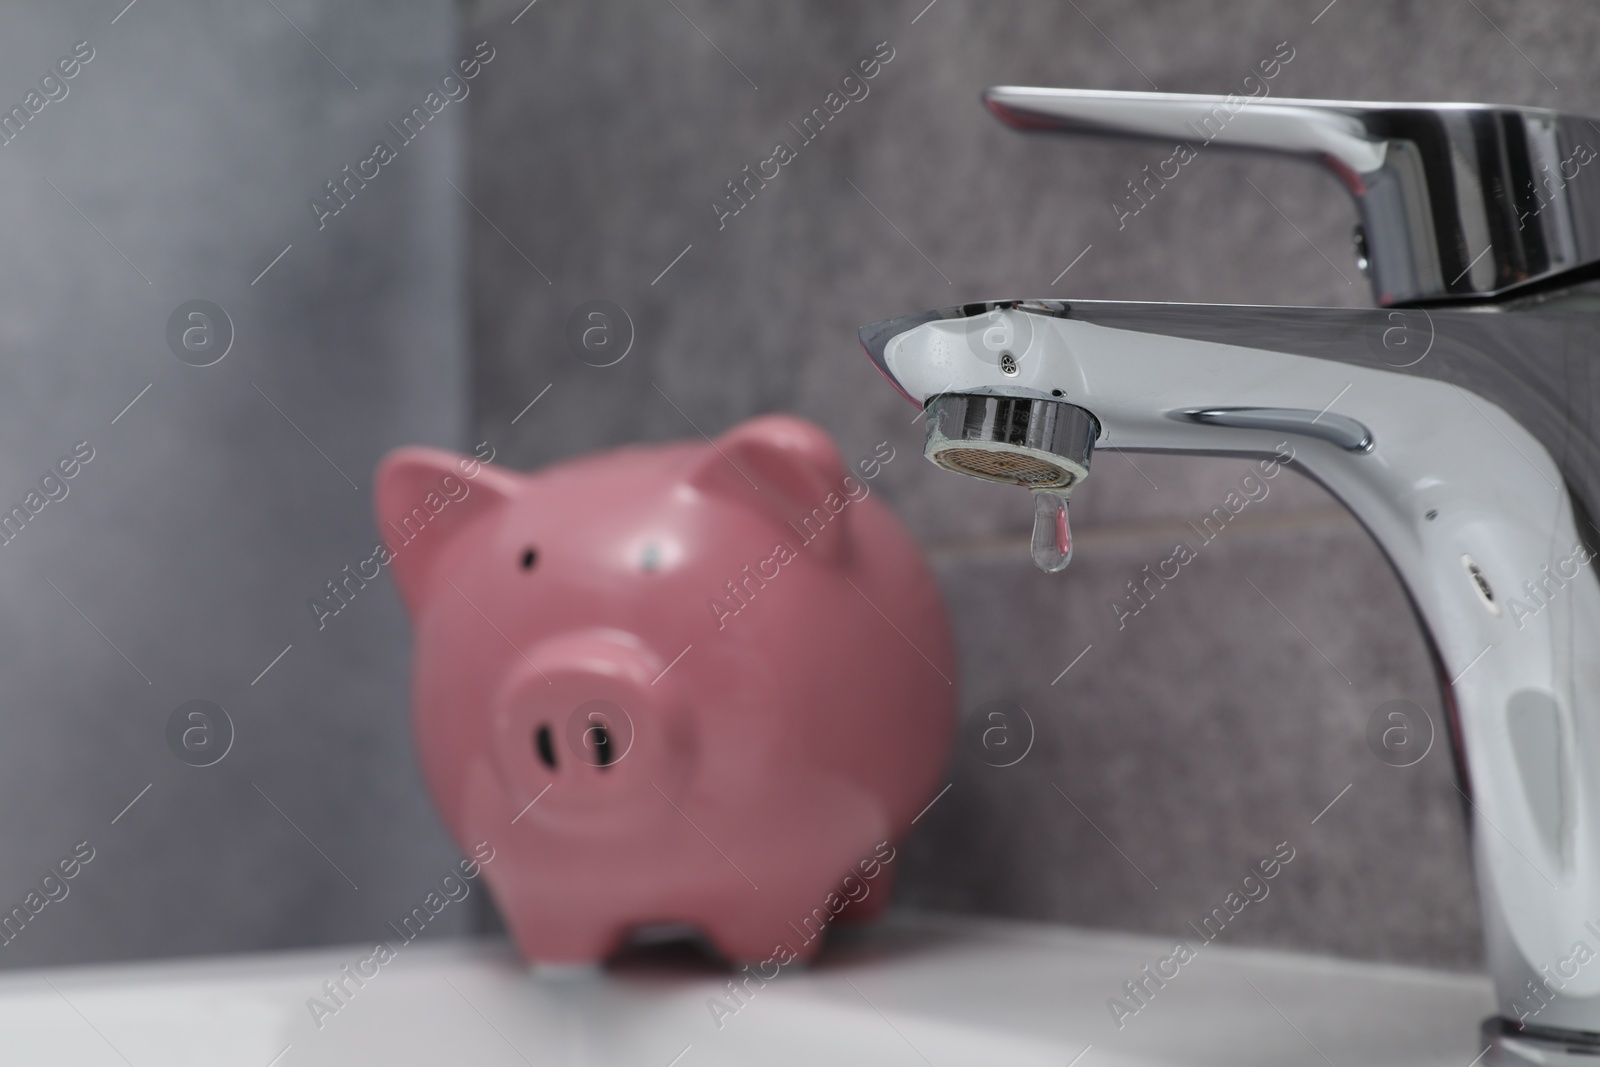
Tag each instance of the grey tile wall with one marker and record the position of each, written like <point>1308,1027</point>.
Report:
<point>1227,716</point>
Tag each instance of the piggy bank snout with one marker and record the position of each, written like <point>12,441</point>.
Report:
<point>587,728</point>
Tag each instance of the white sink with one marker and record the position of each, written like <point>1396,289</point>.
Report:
<point>915,990</point>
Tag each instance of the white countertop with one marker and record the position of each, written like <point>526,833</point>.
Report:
<point>915,990</point>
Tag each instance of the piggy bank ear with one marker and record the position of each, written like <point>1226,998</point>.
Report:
<point>424,498</point>
<point>789,469</point>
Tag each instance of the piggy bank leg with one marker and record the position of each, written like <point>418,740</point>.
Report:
<point>865,908</point>
<point>757,940</point>
<point>560,941</point>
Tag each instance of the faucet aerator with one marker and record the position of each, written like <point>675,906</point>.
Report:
<point>1037,444</point>
<point>1041,445</point>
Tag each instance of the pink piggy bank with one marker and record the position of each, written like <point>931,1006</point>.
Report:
<point>686,684</point>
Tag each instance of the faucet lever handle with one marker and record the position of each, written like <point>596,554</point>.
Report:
<point>1457,201</point>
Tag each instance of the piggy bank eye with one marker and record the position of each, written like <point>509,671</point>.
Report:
<point>529,558</point>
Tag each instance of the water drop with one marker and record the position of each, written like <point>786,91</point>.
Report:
<point>1052,535</point>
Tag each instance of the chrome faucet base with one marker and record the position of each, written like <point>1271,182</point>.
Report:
<point>1509,1047</point>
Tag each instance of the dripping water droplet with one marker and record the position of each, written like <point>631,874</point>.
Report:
<point>1052,535</point>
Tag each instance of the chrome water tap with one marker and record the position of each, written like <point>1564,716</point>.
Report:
<point>1457,421</point>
